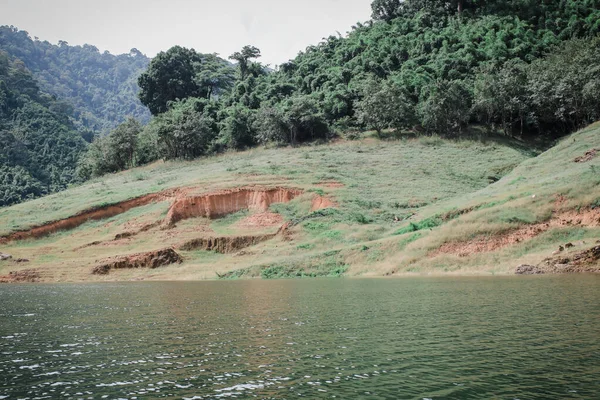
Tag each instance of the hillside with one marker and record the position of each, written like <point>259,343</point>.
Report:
<point>39,146</point>
<point>366,207</point>
<point>100,88</point>
<point>518,67</point>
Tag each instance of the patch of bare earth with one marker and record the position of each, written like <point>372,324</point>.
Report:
<point>92,214</point>
<point>219,204</point>
<point>321,202</point>
<point>587,156</point>
<point>224,244</point>
<point>582,261</point>
<point>151,259</point>
<point>331,184</point>
<point>482,244</point>
<point>261,220</point>
<point>184,206</point>
<point>25,275</point>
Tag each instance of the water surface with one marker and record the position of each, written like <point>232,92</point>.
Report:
<point>410,338</point>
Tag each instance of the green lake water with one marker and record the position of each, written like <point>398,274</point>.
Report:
<point>410,338</point>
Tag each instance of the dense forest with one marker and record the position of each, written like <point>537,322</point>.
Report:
<point>40,146</point>
<point>517,67</point>
<point>422,67</point>
<point>99,88</point>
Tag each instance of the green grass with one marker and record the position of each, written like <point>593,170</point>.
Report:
<point>376,174</point>
<point>401,200</point>
<point>327,264</point>
<point>224,225</point>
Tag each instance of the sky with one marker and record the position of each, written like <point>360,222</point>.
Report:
<point>279,28</point>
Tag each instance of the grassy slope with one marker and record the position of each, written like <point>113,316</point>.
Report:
<point>386,185</point>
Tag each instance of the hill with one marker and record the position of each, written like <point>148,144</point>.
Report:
<point>100,88</point>
<point>39,144</point>
<point>366,207</point>
<point>518,67</point>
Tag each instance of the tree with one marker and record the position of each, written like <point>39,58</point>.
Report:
<point>563,86</point>
<point>384,105</point>
<point>385,10</point>
<point>303,119</point>
<point>270,125</point>
<point>185,131</point>
<point>237,127</point>
<point>122,143</point>
<point>170,76</point>
<point>445,109</point>
<point>500,95</point>
<point>243,58</point>
<point>213,75</point>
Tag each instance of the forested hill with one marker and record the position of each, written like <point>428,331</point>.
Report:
<point>101,88</point>
<point>419,67</point>
<point>435,67</point>
<point>39,146</point>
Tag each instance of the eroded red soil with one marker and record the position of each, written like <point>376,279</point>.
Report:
<point>215,205</point>
<point>151,259</point>
<point>587,218</point>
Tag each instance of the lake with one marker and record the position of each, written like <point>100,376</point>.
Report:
<point>407,338</point>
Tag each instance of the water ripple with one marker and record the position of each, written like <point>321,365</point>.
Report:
<point>461,338</point>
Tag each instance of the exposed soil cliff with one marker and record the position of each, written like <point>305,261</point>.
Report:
<point>225,244</point>
<point>320,202</point>
<point>215,205</point>
<point>92,214</point>
<point>587,217</point>
<point>25,275</point>
<point>151,259</point>
<point>583,261</point>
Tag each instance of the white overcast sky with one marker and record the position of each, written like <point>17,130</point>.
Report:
<point>279,28</point>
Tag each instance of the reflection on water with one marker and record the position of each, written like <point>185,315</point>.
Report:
<point>514,337</point>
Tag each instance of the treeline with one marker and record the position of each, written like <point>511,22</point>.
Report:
<point>39,147</point>
<point>99,90</point>
<point>430,66</point>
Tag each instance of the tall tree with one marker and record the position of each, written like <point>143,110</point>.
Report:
<point>243,58</point>
<point>214,75</point>
<point>169,77</point>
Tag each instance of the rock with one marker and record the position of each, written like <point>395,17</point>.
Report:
<point>151,259</point>
<point>526,269</point>
<point>587,156</point>
<point>582,261</point>
<point>26,275</point>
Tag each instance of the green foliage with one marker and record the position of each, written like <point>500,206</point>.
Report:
<point>39,145</point>
<point>384,105</point>
<point>186,130</point>
<point>243,58</point>
<point>445,109</point>
<point>432,66</point>
<point>328,268</point>
<point>98,90</point>
<point>428,223</point>
<point>114,152</point>
<point>237,129</point>
<point>181,73</point>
